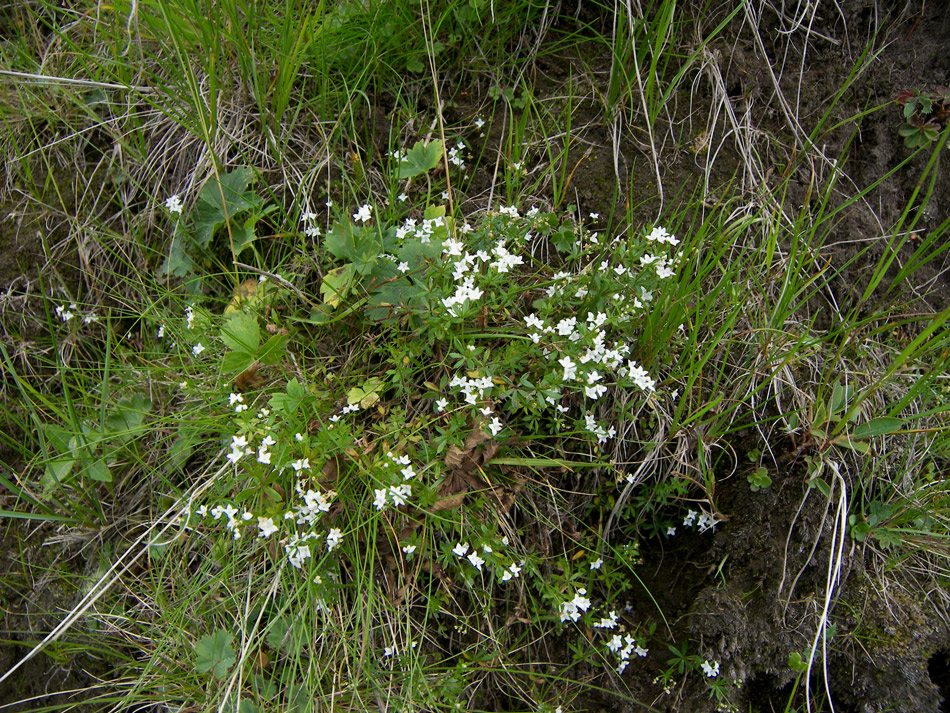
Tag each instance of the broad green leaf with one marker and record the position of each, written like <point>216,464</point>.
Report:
<point>215,654</point>
<point>367,394</point>
<point>98,470</point>
<point>839,398</point>
<point>229,193</point>
<point>126,419</point>
<point>877,427</point>
<point>844,441</point>
<point>178,263</point>
<point>183,446</point>
<point>341,240</point>
<point>58,470</point>
<point>434,211</point>
<point>288,403</point>
<point>421,158</point>
<point>337,284</point>
<point>237,361</point>
<point>242,333</point>
<point>273,350</point>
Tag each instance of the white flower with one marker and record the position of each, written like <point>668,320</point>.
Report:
<point>597,563</point>
<point>409,549</point>
<point>173,204</point>
<point>460,549</point>
<point>660,235</point>
<point>607,622</point>
<point>533,321</point>
<point>566,326</point>
<point>670,531</point>
<point>572,609</point>
<point>334,537</point>
<point>476,561</point>
<point>380,500</point>
<point>570,368</point>
<point>710,668</point>
<point>495,426</point>
<point>402,198</point>
<point>363,214</point>
<point>403,267</point>
<point>440,405</point>
<point>197,349</point>
<point>408,472</point>
<point>266,526</point>
<point>263,455</point>
<point>400,494</point>
<point>300,464</point>
<point>513,572</point>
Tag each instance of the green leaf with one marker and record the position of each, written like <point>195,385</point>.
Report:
<point>215,654</point>
<point>421,158</point>
<point>242,333</point>
<point>59,469</point>
<point>273,350</point>
<point>367,394</point>
<point>877,427</point>
<point>229,192</point>
<point>237,361</point>
<point>182,447</point>
<point>414,65</point>
<point>337,284</point>
<point>178,263</point>
<point>98,470</point>
<point>125,421</point>
<point>288,403</point>
<point>839,397</point>
<point>844,441</point>
<point>341,240</point>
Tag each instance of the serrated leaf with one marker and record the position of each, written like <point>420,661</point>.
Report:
<point>877,427</point>
<point>242,333</point>
<point>288,403</point>
<point>420,158</point>
<point>229,192</point>
<point>215,654</point>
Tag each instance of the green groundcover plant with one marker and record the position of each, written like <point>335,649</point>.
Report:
<point>413,463</point>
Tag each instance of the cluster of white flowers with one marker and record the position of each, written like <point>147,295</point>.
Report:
<point>710,668</point>
<point>173,204</point>
<point>662,235</point>
<point>702,520</point>
<point>473,389</point>
<point>311,229</point>
<point>623,645</point>
<point>573,608</point>
<point>67,314</point>
<point>400,493</point>
<point>364,213</point>
<point>454,155</point>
